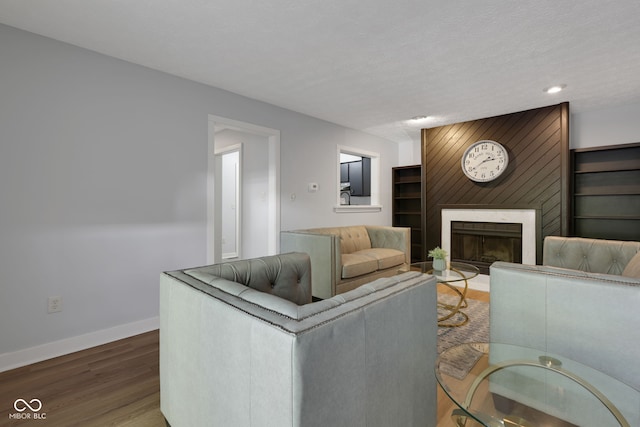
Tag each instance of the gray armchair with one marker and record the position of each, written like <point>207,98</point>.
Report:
<point>235,350</point>
<point>583,305</point>
<point>589,255</point>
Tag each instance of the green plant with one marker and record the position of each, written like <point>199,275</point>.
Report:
<point>438,253</point>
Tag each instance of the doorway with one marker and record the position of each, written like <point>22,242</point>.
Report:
<point>228,173</point>
<point>257,219</point>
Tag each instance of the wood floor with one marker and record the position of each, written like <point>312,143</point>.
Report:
<point>116,384</point>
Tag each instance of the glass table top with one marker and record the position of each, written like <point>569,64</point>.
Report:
<point>455,272</point>
<point>504,385</point>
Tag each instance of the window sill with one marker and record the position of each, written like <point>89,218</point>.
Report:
<point>357,208</point>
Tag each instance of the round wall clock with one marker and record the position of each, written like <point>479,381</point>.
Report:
<point>484,161</point>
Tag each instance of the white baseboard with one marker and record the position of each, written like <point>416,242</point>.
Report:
<point>71,345</point>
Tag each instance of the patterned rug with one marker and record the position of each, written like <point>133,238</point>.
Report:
<point>476,330</point>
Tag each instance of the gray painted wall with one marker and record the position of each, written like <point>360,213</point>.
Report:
<point>611,126</point>
<point>595,128</point>
<point>103,183</point>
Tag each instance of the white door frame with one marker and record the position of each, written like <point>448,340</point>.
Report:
<point>273,210</point>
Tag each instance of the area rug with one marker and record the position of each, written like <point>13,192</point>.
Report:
<point>476,330</point>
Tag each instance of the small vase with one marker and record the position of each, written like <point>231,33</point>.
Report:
<point>439,264</point>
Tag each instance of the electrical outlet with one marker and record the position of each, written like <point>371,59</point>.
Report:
<point>55,305</point>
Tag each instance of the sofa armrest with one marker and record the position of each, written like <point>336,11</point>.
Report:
<point>592,255</point>
<point>326,260</point>
<point>391,237</point>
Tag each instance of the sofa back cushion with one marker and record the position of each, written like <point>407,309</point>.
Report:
<point>286,276</point>
<point>352,239</point>
<point>590,255</point>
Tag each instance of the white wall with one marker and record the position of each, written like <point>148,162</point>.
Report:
<point>611,126</point>
<point>317,161</point>
<point>103,185</point>
<point>608,126</point>
<point>410,153</point>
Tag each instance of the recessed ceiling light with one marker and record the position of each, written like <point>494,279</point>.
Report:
<point>555,89</point>
<point>418,118</point>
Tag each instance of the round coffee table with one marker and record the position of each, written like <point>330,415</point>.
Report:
<point>456,272</point>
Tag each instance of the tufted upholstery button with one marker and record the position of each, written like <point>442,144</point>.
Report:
<point>273,285</point>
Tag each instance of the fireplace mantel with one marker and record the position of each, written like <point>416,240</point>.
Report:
<point>526,217</point>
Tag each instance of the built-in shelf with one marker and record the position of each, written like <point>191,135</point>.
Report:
<point>407,205</point>
<point>409,196</point>
<point>606,192</point>
<point>616,217</point>
<point>404,180</point>
<point>613,192</point>
<point>627,165</point>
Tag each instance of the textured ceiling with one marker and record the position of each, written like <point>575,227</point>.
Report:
<point>368,65</point>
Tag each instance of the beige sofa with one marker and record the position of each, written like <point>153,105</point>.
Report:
<point>582,305</point>
<point>241,345</point>
<point>343,258</point>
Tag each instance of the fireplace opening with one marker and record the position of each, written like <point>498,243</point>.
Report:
<point>483,243</point>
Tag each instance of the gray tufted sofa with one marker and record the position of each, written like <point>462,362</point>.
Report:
<point>241,345</point>
<point>578,305</point>
<point>343,258</point>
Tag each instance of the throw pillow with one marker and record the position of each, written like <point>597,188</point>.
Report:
<point>633,268</point>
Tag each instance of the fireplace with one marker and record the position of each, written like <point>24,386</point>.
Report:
<point>483,235</point>
<point>483,243</point>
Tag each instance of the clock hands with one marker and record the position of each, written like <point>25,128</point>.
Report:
<point>488,159</point>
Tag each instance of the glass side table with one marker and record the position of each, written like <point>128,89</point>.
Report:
<point>456,272</point>
<point>497,385</point>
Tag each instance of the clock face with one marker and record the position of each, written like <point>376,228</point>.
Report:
<point>484,161</point>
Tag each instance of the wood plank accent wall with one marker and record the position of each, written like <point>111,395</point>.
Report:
<point>537,176</point>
